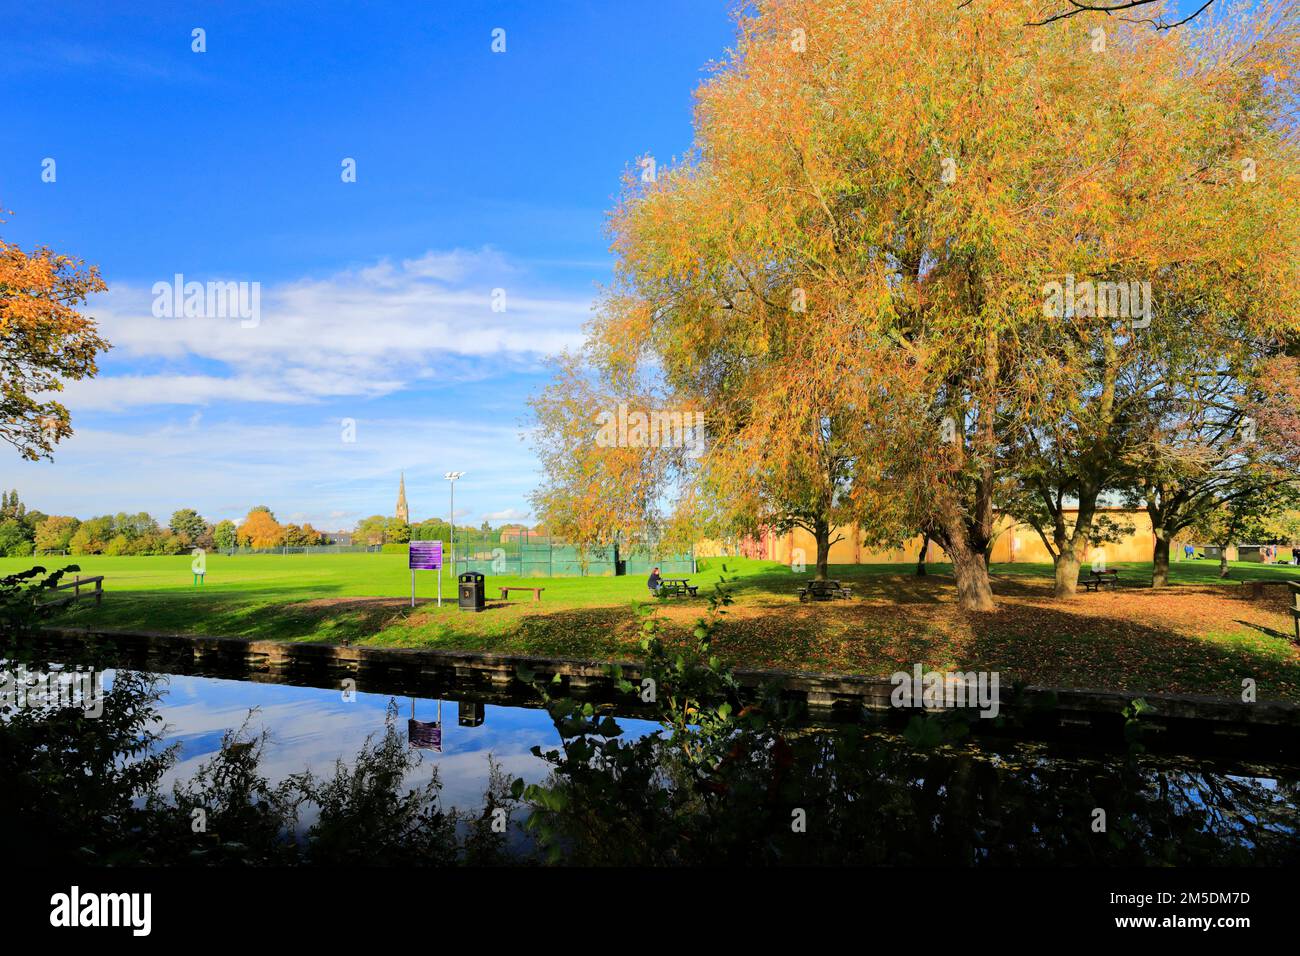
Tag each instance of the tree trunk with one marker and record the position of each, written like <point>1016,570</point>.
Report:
<point>920,560</point>
<point>1067,573</point>
<point>974,592</point>
<point>1223,561</point>
<point>1160,562</point>
<point>822,533</point>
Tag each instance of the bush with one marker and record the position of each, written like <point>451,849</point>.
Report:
<point>396,548</point>
<point>14,536</point>
<point>20,600</point>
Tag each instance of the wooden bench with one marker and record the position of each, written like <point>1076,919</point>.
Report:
<point>1257,587</point>
<point>825,591</point>
<point>537,592</point>
<point>1095,579</point>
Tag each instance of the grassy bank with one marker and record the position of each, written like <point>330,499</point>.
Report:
<point>1199,636</point>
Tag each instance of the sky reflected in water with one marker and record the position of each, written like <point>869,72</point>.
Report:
<point>311,728</point>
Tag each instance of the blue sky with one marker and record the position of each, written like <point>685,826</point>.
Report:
<point>475,171</point>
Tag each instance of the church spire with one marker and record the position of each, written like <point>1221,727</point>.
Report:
<point>403,512</point>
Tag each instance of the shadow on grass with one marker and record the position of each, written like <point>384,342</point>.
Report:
<point>1267,630</point>
<point>286,613</point>
<point>1047,645</point>
<point>1035,643</point>
<point>594,633</point>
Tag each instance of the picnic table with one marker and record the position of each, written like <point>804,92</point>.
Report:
<point>1257,587</point>
<point>537,592</point>
<point>825,591</point>
<point>677,587</point>
<point>1095,579</point>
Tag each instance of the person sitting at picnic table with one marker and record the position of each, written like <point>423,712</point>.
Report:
<point>654,582</point>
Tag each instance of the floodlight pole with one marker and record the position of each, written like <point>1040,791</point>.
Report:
<point>451,477</point>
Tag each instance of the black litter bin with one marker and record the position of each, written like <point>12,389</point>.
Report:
<point>471,591</point>
<point>471,714</point>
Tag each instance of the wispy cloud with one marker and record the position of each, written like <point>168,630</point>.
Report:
<point>363,332</point>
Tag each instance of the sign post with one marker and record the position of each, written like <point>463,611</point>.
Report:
<point>425,556</point>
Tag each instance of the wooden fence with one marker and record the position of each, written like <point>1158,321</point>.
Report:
<point>76,585</point>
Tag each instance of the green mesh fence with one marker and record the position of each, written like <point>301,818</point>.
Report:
<point>535,556</point>
<point>670,565</point>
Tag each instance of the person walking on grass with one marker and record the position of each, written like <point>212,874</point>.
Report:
<point>654,582</point>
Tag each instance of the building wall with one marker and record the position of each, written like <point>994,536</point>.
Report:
<point>1015,543</point>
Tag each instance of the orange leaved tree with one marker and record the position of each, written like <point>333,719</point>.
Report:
<point>878,273</point>
<point>260,530</point>
<point>44,340</point>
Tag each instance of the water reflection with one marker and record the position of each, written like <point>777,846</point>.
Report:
<point>310,729</point>
<point>191,769</point>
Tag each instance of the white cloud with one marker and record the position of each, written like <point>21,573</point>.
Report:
<point>508,515</point>
<point>113,393</point>
<point>363,332</point>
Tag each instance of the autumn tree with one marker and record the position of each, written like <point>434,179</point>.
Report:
<point>860,249</point>
<point>305,536</point>
<point>599,487</point>
<point>260,530</point>
<point>44,341</point>
<point>92,536</point>
<point>55,533</point>
<point>310,536</point>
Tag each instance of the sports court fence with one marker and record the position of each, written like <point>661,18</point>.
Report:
<point>521,555</point>
<point>528,555</point>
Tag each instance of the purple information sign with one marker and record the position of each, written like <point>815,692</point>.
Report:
<point>423,735</point>
<point>426,556</point>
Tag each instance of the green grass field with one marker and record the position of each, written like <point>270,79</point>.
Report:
<point>1201,635</point>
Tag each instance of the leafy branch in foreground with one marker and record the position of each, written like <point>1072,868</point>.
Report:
<point>20,598</point>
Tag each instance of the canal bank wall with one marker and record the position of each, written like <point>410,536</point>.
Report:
<point>490,677</point>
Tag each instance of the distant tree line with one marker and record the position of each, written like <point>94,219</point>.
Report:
<point>25,532</point>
